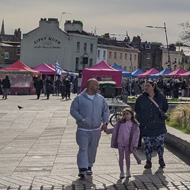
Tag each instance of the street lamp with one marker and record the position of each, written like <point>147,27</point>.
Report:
<point>164,27</point>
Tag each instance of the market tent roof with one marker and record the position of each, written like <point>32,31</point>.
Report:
<point>18,68</point>
<point>176,73</point>
<point>136,72</point>
<point>101,70</point>
<point>53,67</point>
<point>160,74</point>
<point>186,74</point>
<point>148,73</point>
<point>44,69</point>
<point>124,72</point>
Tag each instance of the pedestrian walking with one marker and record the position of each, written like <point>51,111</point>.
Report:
<point>49,87</point>
<point>38,84</point>
<point>44,86</point>
<point>62,88</point>
<point>125,137</point>
<point>57,86</point>
<point>6,85</point>
<point>1,91</point>
<point>89,109</point>
<point>67,88</point>
<point>152,124</point>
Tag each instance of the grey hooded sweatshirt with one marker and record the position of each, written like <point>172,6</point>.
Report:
<point>93,111</point>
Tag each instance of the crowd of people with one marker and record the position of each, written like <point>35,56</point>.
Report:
<point>57,87</point>
<point>170,87</point>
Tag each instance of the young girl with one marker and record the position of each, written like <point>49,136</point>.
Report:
<point>125,136</point>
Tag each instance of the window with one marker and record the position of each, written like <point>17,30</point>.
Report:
<point>148,56</point>
<point>121,56</point>
<point>130,57</point>
<point>78,46</point>
<point>104,55</point>
<point>91,62</point>
<point>147,46</point>
<point>85,46</point>
<point>18,51</point>
<point>91,47</point>
<point>125,56</point>
<point>135,57</point>
<point>115,55</point>
<point>77,64</point>
<point>98,53</point>
<point>110,55</point>
<point>125,67</point>
<point>147,66</point>
<point>6,55</point>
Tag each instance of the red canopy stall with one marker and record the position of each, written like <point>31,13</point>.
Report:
<point>21,78</point>
<point>101,71</point>
<point>44,69</point>
<point>176,73</point>
<point>147,73</point>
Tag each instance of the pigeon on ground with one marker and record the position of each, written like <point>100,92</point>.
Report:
<point>19,107</point>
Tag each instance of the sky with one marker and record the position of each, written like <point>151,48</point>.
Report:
<point>116,17</point>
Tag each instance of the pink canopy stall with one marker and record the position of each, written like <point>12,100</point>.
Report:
<point>44,69</point>
<point>186,74</point>
<point>101,71</point>
<point>177,73</point>
<point>21,78</point>
<point>147,73</point>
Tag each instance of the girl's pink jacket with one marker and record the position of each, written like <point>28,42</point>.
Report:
<point>133,139</point>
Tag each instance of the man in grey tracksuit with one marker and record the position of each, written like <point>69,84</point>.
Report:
<point>90,110</point>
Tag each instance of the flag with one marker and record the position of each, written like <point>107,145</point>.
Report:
<point>58,68</point>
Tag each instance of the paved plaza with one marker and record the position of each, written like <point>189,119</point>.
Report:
<point>38,151</point>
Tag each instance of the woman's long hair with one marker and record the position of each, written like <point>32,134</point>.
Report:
<point>156,89</point>
<point>133,119</point>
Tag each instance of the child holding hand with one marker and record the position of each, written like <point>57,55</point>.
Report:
<point>125,136</point>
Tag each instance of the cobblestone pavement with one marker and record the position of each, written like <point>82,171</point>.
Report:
<point>38,151</point>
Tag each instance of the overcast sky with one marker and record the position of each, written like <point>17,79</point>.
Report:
<point>107,16</point>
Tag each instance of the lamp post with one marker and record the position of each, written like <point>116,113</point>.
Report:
<point>164,27</point>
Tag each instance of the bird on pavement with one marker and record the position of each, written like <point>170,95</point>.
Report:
<point>19,107</point>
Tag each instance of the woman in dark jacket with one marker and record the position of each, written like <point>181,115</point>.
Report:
<point>6,85</point>
<point>49,86</point>
<point>152,125</point>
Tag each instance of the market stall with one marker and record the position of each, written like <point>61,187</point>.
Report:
<point>102,72</point>
<point>124,72</point>
<point>148,73</point>
<point>21,78</point>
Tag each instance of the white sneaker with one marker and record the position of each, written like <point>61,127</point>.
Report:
<point>128,174</point>
<point>122,175</point>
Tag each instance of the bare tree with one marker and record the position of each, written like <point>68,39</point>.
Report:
<point>185,35</point>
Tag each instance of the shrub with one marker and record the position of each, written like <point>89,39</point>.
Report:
<point>180,117</point>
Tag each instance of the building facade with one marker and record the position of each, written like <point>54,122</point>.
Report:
<point>150,56</point>
<point>73,48</point>
<point>9,47</point>
<point>176,58</point>
<point>112,51</point>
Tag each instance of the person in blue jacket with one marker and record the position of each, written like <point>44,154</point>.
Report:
<point>91,111</point>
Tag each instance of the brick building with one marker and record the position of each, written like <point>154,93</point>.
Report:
<point>9,47</point>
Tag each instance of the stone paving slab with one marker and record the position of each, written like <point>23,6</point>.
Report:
<point>38,151</point>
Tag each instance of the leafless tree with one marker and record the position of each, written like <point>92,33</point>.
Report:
<point>185,35</point>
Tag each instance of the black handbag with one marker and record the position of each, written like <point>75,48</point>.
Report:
<point>163,115</point>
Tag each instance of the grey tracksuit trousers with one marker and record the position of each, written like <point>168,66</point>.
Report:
<point>88,144</point>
